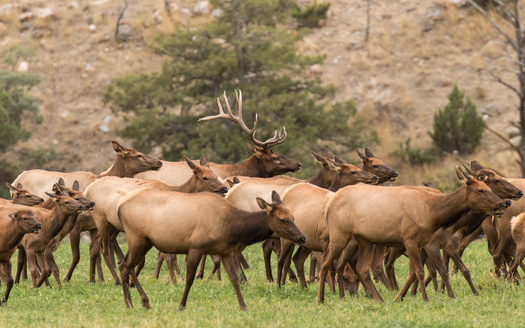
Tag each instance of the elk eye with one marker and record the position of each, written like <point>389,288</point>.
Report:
<point>205,179</point>
<point>67,202</point>
<point>481,191</point>
<point>27,196</point>
<point>141,157</point>
<point>354,172</point>
<point>77,199</point>
<point>375,166</point>
<point>275,158</point>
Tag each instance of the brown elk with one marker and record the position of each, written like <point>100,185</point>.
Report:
<point>469,220</point>
<point>263,162</point>
<point>107,192</point>
<point>195,224</point>
<point>59,189</point>
<point>128,163</point>
<point>13,227</point>
<point>52,222</point>
<point>21,196</point>
<point>376,166</point>
<point>396,216</point>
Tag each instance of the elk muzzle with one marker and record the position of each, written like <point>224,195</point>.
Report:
<point>36,228</point>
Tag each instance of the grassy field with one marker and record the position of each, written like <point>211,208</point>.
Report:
<point>213,304</point>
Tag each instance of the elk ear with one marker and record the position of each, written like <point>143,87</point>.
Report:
<point>368,153</point>
<point>468,170</point>
<point>319,158</point>
<point>19,186</point>
<point>428,184</point>
<point>57,189</point>
<point>361,156</point>
<point>230,183</point>
<point>339,160</point>
<point>119,149</point>
<point>51,195</point>
<point>236,180</point>
<point>10,186</point>
<point>460,175</point>
<point>61,182</point>
<point>12,216</point>
<point>190,163</point>
<point>204,160</point>
<point>276,199</point>
<point>264,205</point>
<point>254,150</point>
<point>76,185</point>
<point>476,166</point>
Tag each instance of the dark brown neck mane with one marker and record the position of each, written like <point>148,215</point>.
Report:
<point>247,228</point>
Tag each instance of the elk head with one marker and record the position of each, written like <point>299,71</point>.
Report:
<point>498,184</point>
<point>376,166</point>
<point>26,220</point>
<point>133,162</point>
<point>270,163</point>
<point>205,178</point>
<point>23,197</point>
<point>66,203</point>
<point>348,174</point>
<point>479,196</point>
<point>60,189</point>
<point>281,221</point>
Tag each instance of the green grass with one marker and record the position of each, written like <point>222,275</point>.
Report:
<point>213,304</point>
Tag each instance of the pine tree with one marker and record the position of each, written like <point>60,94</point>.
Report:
<point>244,48</point>
<point>457,126</point>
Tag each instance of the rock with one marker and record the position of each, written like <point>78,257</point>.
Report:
<point>202,8</point>
<point>24,17</point>
<point>23,67</point>
<point>186,12</point>
<point>513,131</point>
<point>73,5</point>
<point>316,69</point>
<point>217,13</point>
<point>92,28</point>
<point>124,32</point>
<point>44,13</point>
<point>515,141</point>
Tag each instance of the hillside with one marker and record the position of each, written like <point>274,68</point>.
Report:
<point>415,53</point>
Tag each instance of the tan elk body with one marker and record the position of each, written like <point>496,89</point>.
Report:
<point>195,224</point>
<point>396,216</point>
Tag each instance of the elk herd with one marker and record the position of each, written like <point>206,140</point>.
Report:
<point>351,223</point>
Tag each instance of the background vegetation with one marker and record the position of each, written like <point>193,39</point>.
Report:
<point>213,304</point>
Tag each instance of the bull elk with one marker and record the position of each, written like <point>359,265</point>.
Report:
<point>14,225</point>
<point>405,216</point>
<point>263,162</point>
<point>195,224</point>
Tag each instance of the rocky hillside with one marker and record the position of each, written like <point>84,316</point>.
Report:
<point>415,52</point>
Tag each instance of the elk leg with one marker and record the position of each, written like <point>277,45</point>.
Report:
<point>106,232</point>
<point>227,263</point>
<point>33,268</point>
<point>463,268</point>
<point>377,265</point>
<point>243,261</point>
<point>413,255</point>
<point>7,278</point>
<point>200,274</point>
<point>411,279</point>
<point>267,248</point>
<point>313,266</point>
<point>54,267</point>
<point>21,264</point>
<point>45,271</point>
<point>74,240</point>
<point>216,267</point>
<point>393,254</point>
<point>160,259</point>
<point>171,263</point>
<point>192,262</point>
<point>513,268</point>
<point>364,260</point>
<point>138,247</point>
<point>298,259</point>
<point>94,258</point>
<point>437,262</point>
<point>238,268</point>
<point>286,251</point>
<point>346,255</point>
<point>336,246</point>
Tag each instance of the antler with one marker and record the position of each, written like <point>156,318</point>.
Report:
<point>278,137</point>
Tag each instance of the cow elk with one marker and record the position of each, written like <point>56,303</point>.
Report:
<point>399,216</point>
<point>195,224</point>
<point>14,225</point>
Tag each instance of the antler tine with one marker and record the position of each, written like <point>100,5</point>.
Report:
<point>278,137</point>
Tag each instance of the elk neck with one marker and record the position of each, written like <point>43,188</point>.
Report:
<point>250,167</point>
<point>247,228</point>
<point>118,169</point>
<point>447,209</point>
